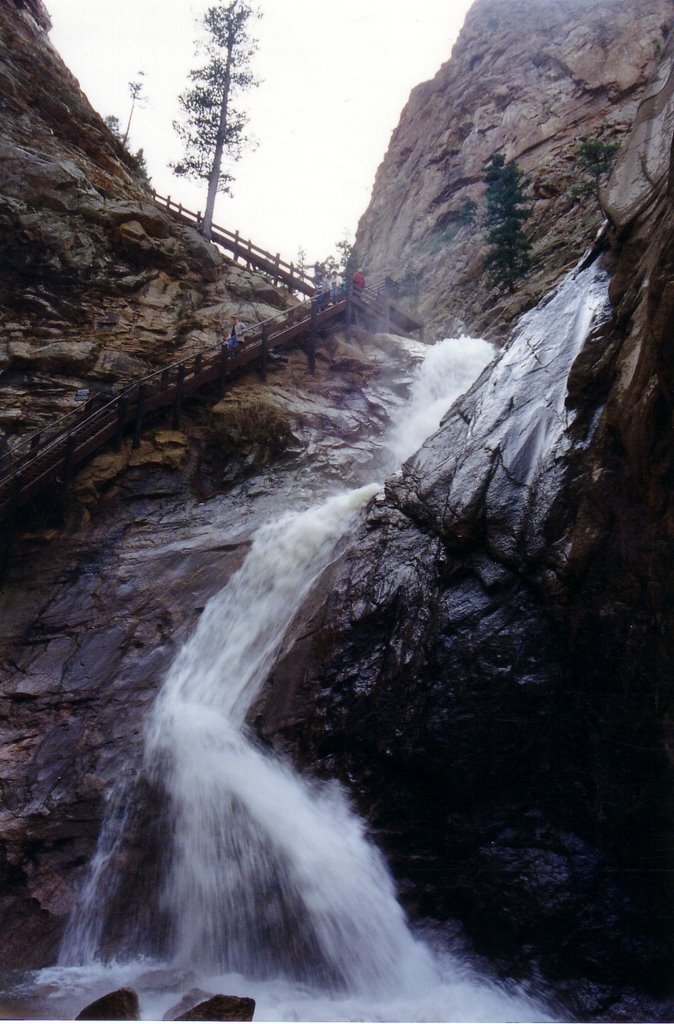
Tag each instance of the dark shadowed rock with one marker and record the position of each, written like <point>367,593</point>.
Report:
<point>119,1005</point>
<point>222,1008</point>
<point>490,671</point>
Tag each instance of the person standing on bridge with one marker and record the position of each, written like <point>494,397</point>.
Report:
<point>236,335</point>
<point>358,281</point>
<point>335,286</point>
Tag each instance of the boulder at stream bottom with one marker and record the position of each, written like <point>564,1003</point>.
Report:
<point>122,1004</point>
<point>222,1008</point>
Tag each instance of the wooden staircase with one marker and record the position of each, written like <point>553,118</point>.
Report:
<point>51,457</point>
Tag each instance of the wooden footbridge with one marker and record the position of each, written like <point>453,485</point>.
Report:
<point>51,457</point>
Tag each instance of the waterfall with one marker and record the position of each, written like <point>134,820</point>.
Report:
<point>448,369</point>
<point>271,879</point>
<point>268,873</point>
<point>84,930</point>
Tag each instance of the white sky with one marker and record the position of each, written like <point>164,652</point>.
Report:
<point>335,79</point>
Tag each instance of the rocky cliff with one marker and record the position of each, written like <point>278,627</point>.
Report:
<point>492,668</point>
<point>99,285</point>
<point>527,78</point>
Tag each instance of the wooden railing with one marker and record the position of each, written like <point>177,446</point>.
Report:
<point>52,456</point>
<point>295,279</point>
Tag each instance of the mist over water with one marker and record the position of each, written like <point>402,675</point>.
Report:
<point>270,884</point>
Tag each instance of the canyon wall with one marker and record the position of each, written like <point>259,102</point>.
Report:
<point>491,667</point>
<point>527,78</point>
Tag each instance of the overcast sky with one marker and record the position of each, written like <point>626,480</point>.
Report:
<point>335,77</point>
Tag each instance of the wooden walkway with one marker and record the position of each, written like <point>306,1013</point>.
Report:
<point>295,279</point>
<point>51,457</point>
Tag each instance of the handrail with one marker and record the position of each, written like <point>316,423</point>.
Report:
<point>266,261</point>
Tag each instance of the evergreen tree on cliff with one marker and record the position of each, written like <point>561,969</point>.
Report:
<point>595,159</point>
<point>211,126</point>
<point>509,257</point>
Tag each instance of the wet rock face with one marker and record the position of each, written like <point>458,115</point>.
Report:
<point>527,79</point>
<point>491,668</point>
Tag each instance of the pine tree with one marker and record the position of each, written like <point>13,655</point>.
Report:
<point>211,125</point>
<point>507,212</point>
<point>595,159</point>
<point>136,94</point>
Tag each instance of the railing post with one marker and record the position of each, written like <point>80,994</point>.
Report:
<point>235,247</point>
<point>178,402</point>
<point>198,362</point>
<point>265,351</point>
<point>386,314</point>
<point>291,283</point>
<point>68,464</point>
<point>222,375</point>
<point>138,422</point>
<point>311,353</point>
<point>348,311</point>
<point>35,442</point>
<point>122,407</point>
<point>277,266</point>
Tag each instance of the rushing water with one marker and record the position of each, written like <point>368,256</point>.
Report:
<point>270,886</point>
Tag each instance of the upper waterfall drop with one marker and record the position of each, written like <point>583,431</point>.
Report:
<point>448,369</point>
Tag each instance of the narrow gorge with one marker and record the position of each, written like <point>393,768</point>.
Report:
<point>352,691</point>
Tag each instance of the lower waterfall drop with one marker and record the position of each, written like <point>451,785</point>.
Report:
<point>269,874</point>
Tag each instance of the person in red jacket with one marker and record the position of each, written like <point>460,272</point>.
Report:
<point>358,281</point>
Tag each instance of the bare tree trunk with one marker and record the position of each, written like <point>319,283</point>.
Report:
<point>214,176</point>
<point>128,124</point>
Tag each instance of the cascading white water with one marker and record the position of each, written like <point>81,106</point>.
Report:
<point>84,930</point>
<point>448,369</point>
<point>270,875</point>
